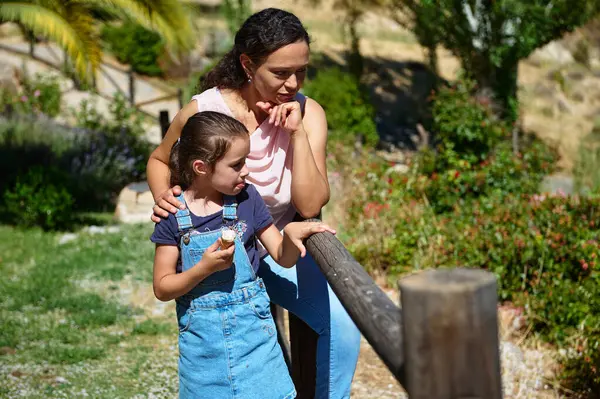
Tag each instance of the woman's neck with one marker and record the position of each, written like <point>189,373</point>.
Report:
<point>250,96</point>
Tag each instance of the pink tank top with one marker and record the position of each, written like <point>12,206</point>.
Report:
<point>269,162</point>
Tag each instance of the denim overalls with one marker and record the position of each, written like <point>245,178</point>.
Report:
<point>228,345</point>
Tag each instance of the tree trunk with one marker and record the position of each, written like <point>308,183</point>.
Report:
<point>356,62</point>
<point>506,89</point>
<point>432,58</point>
<point>499,83</point>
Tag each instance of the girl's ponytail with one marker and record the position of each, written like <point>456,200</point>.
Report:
<point>176,178</point>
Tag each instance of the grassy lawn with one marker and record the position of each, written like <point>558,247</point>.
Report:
<point>79,319</point>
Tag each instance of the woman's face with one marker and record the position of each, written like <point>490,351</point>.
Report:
<point>282,74</point>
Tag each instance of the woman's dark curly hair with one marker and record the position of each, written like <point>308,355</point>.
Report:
<point>260,35</point>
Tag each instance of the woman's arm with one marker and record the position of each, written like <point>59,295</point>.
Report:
<point>168,284</point>
<point>310,187</point>
<point>157,168</point>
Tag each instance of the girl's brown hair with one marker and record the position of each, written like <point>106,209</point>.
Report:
<point>206,136</point>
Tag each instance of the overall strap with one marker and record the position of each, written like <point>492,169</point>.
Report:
<point>184,220</point>
<point>229,208</point>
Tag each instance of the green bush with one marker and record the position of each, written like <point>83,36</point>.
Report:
<point>97,163</point>
<point>134,45</point>
<point>465,128</point>
<point>501,174</point>
<point>124,119</point>
<point>473,156</point>
<point>346,103</point>
<point>39,198</point>
<point>587,164</point>
<point>40,94</point>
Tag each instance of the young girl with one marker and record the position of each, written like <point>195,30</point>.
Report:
<point>227,342</point>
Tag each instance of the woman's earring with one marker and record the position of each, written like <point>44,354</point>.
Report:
<point>249,79</point>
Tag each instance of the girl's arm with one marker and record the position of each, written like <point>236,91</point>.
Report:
<point>168,284</point>
<point>157,168</point>
<point>285,249</point>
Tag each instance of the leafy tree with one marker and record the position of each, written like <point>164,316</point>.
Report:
<point>235,13</point>
<point>490,37</point>
<point>71,24</point>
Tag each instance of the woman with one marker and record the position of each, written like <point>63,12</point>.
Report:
<point>258,83</point>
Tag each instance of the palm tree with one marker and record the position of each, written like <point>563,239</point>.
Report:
<point>71,24</point>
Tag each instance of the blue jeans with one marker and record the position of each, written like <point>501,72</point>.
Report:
<point>304,291</point>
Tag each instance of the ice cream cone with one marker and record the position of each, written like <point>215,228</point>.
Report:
<point>227,238</point>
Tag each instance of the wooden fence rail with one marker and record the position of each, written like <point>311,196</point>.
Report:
<point>442,343</point>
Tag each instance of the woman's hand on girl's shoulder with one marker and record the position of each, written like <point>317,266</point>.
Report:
<point>166,203</point>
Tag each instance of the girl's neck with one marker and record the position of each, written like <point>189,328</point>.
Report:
<point>203,200</point>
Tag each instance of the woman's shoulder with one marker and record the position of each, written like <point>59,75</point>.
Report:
<point>210,100</point>
<point>313,114</point>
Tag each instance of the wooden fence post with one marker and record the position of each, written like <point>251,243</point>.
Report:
<point>163,120</point>
<point>451,335</point>
<point>180,97</point>
<point>303,346</point>
<point>131,86</point>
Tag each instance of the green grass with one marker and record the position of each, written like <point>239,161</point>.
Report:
<point>587,164</point>
<point>70,324</point>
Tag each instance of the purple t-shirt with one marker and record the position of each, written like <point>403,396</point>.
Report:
<point>251,212</point>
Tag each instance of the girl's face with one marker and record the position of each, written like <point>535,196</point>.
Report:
<point>229,174</point>
<point>282,74</point>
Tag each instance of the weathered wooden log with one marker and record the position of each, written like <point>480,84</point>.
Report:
<point>451,334</point>
<point>374,313</point>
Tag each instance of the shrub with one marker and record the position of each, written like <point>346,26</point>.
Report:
<point>501,174</point>
<point>44,94</point>
<point>346,103</point>
<point>124,119</point>
<point>41,94</point>
<point>97,164</point>
<point>39,198</point>
<point>465,127</point>
<point>587,165</point>
<point>134,45</point>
